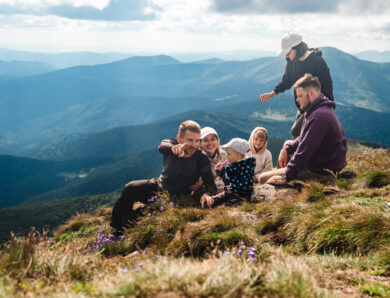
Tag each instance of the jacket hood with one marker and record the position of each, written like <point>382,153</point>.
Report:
<point>320,101</point>
<point>252,146</point>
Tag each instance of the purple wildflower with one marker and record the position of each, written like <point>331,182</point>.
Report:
<point>239,253</point>
<point>50,242</point>
<point>226,253</point>
<point>243,247</point>
<point>161,229</point>
<point>162,208</point>
<point>171,203</point>
<point>149,214</point>
<point>139,265</point>
<point>124,270</point>
<point>148,261</point>
<point>252,254</point>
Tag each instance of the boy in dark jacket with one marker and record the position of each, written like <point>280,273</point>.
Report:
<point>237,175</point>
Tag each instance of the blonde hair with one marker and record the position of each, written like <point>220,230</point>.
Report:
<point>188,125</point>
<point>260,133</point>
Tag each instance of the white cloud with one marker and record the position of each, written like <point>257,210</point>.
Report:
<point>185,25</point>
<point>31,4</point>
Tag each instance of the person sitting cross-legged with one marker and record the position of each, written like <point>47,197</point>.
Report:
<point>321,148</point>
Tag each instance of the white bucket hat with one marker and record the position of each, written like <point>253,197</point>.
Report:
<point>238,144</point>
<point>289,41</point>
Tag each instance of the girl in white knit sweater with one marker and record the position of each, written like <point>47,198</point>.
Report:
<point>258,144</point>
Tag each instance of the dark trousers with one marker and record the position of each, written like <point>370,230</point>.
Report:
<point>136,191</point>
<point>228,199</point>
<point>296,128</point>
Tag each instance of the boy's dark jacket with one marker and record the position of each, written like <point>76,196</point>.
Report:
<point>240,176</point>
<point>322,144</point>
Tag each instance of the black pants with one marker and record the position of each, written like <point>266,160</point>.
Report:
<point>136,191</point>
<point>296,128</point>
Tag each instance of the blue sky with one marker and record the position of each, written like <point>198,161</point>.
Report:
<point>168,26</point>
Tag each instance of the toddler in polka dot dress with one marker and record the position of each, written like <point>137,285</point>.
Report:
<point>237,174</point>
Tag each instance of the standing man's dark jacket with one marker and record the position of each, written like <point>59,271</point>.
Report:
<point>179,173</point>
<point>313,64</point>
<point>322,144</point>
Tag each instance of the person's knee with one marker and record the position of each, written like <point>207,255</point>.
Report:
<point>263,178</point>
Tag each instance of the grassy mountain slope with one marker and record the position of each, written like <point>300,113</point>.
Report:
<point>50,214</point>
<point>23,178</point>
<point>319,241</point>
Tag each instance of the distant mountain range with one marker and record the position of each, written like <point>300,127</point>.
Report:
<point>86,99</point>
<point>23,68</point>
<point>374,56</point>
<point>62,60</point>
<point>69,59</point>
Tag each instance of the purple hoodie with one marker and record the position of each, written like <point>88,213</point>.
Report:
<point>322,144</point>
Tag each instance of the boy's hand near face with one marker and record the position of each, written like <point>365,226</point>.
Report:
<point>219,166</point>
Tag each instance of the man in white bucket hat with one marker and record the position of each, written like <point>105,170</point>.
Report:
<point>288,42</point>
<point>301,60</point>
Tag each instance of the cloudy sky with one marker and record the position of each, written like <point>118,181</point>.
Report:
<point>167,26</point>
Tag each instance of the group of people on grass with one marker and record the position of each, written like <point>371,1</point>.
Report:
<point>196,164</point>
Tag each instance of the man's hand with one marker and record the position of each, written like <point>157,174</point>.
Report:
<point>179,149</point>
<point>264,97</point>
<point>276,180</point>
<point>197,185</point>
<point>282,160</point>
<point>206,201</point>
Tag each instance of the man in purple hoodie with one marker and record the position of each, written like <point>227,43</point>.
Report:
<point>322,146</point>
